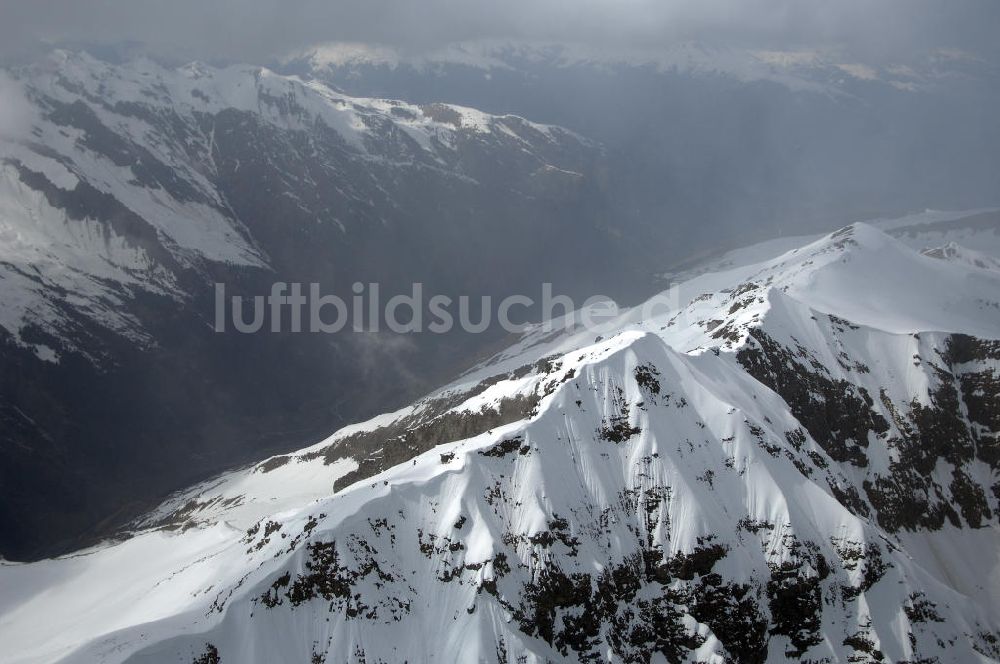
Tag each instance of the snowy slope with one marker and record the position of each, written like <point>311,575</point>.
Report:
<point>798,461</point>
<point>924,231</point>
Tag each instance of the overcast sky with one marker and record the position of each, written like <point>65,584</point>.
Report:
<point>260,30</point>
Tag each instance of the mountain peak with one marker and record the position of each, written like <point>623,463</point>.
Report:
<point>788,498</point>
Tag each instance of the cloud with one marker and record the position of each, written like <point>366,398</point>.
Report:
<point>258,30</point>
<point>859,71</point>
<point>16,113</point>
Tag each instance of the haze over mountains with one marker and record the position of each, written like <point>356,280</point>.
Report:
<point>785,448</point>
<point>307,353</point>
<point>130,187</point>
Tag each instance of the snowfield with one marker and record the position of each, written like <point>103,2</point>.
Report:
<point>798,463</point>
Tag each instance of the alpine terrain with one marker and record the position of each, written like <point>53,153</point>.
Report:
<point>130,185</point>
<point>792,455</point>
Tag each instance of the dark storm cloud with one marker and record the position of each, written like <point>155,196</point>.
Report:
<point>256,30</point>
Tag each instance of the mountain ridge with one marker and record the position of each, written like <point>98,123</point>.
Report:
<point>758,481</point>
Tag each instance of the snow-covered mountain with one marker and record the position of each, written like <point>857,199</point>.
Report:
<point>796,460</point>
<point>128,187</point>
<point>126,176</point>
<point>935,233</point>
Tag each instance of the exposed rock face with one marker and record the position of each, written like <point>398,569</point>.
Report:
<point>951,421</point>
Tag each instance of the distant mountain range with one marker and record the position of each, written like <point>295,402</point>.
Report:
<point>724,144</point>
